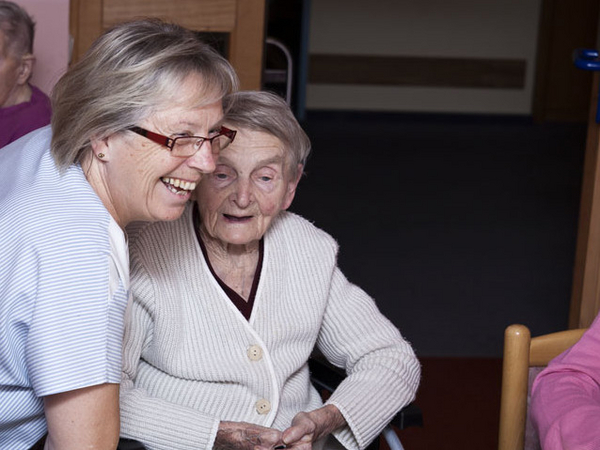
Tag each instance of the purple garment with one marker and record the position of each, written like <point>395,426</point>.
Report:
<point>18,120</point>
<point>565,403</point>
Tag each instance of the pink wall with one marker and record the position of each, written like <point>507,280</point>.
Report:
<point>51,46</point>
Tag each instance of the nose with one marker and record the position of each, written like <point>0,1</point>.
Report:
<point>204,160</point>
<point>242,193</point>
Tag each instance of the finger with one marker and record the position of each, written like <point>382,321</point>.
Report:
<point>300,418</point>
<point>270,439</point>
<point>296,435</point>
<point>260,438</point>
<point>293,435</point>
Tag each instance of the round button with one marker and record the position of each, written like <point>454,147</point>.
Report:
<point>263,406</point>
<point>255,353</point>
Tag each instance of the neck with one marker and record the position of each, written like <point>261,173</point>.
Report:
<point>234,264</point>
<point>225,250</point>
<point>93,173</point>
<point>21,94</point>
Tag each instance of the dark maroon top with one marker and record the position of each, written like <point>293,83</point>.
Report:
<point>18,120</point>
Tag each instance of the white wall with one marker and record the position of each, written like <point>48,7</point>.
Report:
<point>444,28</point>
<point>51,45</point>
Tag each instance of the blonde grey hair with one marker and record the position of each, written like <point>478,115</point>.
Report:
<point>129,73</point>
<point>269,113</point>
<point>18,28</point>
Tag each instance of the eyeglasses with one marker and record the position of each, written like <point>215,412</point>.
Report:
<point>186,146</point>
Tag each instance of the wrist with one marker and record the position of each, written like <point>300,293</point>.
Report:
<point>330,418</point>
<point>338,419</point>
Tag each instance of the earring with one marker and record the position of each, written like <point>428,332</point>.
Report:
<point>100,155</point>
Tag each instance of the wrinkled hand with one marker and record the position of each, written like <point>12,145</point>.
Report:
<point>308,427</point>
<point>246,436</point>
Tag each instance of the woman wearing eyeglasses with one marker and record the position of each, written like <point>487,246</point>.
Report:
<point>230,300</point>
<point>135,128</point>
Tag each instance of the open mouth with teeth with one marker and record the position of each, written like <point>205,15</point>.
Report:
<point>177,186</point>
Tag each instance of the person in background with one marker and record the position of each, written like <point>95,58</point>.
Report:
<point>230,300</point>
<point>136,126</point>
<point>565,396</point>
<point>23,107</point>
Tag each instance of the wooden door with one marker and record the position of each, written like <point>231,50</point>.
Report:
<point>561,91</point>
<point>242,20</point>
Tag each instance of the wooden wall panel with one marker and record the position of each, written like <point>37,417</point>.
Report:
<point>243,20</point>
<point>200,15</point>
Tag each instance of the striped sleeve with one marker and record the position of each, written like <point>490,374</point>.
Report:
<point>75,332</point>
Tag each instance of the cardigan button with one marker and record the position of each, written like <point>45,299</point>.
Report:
<point>255,353</point>
<point>263,406</point>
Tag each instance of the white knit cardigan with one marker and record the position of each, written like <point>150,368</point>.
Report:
<point>191,359</point>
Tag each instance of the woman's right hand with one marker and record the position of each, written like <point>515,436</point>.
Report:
<point>246,436</point>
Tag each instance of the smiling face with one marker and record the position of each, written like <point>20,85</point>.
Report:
<point>138,179</point>
<point>249,187</point>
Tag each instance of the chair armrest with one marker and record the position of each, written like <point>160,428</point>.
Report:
<point>409,416</point>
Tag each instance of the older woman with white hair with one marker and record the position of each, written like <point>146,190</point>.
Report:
<point>230,300</point>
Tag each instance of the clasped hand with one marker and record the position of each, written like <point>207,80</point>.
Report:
<point>306,428</point>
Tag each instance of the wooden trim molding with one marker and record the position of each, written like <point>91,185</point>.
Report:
<point>417,71</point>
<point>246,49</point>
<point>85,25</point>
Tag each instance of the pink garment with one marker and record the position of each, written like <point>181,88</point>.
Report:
<point>565,403</point>
<point>18,120</point>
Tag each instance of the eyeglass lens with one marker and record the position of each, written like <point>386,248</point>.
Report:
<point>187,146</point>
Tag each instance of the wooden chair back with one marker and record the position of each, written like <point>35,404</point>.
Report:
<point>521,352</point>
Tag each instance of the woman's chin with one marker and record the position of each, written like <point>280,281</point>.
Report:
<point>238,239</point>
<point>167,213</point>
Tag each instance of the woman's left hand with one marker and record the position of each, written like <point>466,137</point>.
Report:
<point>308,427</point>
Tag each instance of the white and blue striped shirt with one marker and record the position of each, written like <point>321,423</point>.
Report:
<point>64,279</point>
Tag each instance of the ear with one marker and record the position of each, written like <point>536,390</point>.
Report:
<point>291,188</point>
<point>25,69</point>
<point>100,148</point>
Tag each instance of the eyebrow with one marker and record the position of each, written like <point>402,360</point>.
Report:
<point>275,159</point>
<point>264,162</point>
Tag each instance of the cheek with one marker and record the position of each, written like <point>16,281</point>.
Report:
<point>145,173</point>
<point>269,206</point>
<point>209,199</point>
<point>270,201</point>
<point>150,166</point>
<point>142,177</point>
<point>4,88</point>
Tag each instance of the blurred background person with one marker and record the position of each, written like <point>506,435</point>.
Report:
<point>565,396</point>
<point>23,107</point>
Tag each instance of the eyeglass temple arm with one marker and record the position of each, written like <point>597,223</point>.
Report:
<point>158,138</point>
